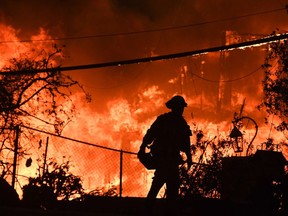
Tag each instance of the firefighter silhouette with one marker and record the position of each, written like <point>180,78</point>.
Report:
<point>168,135</point>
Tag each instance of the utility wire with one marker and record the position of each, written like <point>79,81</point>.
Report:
<point>228,80</point>
<point>149,31</point>
<point>75,140</point>
<point>42,120</point>
<point>242,45</point>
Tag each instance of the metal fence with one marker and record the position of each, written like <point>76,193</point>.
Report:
<point>100,167</point>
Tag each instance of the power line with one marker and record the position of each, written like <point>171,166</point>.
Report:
<point>75,140</point>
<point>242,45</point>
<point>149,31</point>
<point>228,80</point>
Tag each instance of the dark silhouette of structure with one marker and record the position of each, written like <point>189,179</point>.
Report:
<point>166,138</point>
<point>8,195</point>
<point>258,182</point>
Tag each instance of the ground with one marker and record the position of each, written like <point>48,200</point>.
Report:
<point>115,206</point>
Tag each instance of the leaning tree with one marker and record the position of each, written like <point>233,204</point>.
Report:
<point>33,92</point>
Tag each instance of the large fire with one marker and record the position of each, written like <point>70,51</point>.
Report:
<point>121,123</point>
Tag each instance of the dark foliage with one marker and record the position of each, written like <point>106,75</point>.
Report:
<point>203,179</point>
<point>29,98</point>
<point>101,191</point>
<point>56,183</point>
<point>275,83</point>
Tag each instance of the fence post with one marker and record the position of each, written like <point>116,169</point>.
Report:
<point>121,170</point>
<point>45,156</point>
<point>15,156</point>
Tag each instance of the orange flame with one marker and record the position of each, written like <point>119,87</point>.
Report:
<point>121,127</point>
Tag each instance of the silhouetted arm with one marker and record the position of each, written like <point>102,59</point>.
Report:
<point>151,133</point>
<point>187,145</point>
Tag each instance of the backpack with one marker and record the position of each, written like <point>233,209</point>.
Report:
<point>147,159</point>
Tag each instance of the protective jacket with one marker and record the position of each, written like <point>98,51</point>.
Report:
<point>168,135</point>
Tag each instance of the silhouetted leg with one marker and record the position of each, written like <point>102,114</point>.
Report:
<point>157,183</point>
<point>172,192</point>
